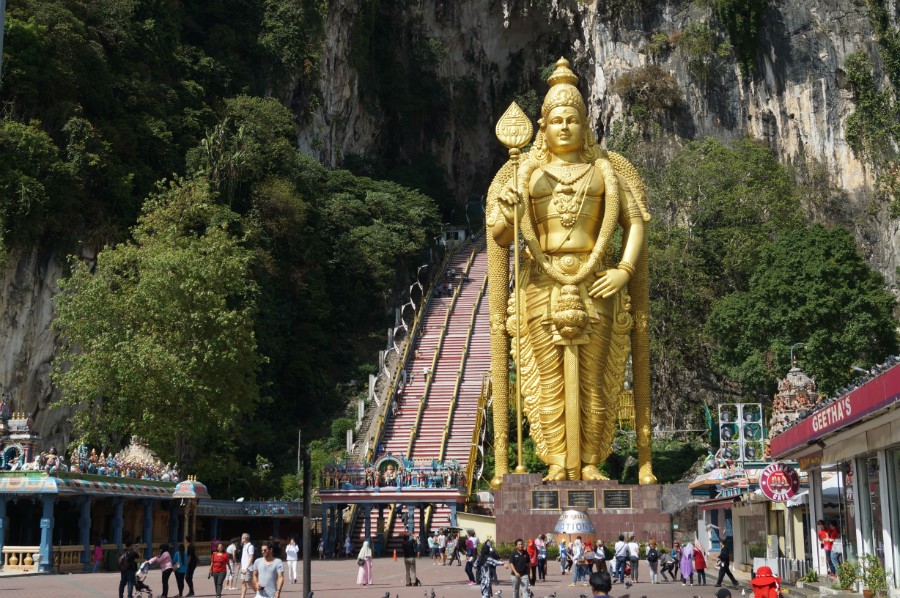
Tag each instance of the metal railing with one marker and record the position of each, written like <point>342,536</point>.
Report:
<point>437,353</point>
<point>479,422</point>
<point>462,366</point>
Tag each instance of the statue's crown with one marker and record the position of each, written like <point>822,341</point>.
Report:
<point>563,90</point>
<point>562,74</point>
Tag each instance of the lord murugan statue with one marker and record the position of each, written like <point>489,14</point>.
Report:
<point>579,306</point>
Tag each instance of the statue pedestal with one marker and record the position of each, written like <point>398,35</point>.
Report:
<point>526,507</point>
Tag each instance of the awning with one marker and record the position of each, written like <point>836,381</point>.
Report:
<point>798,500</point>
<point>718,503</point>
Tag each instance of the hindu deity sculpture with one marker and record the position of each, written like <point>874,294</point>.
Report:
<point>582,299</point>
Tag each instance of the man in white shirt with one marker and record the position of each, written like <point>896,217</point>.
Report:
<point>634,553</point>
<point>621,555</point>
<point>442,548</point>
<point>247,554</point>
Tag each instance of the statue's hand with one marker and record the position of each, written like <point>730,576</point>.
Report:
<point>610,282</point>
<point>509,203</point>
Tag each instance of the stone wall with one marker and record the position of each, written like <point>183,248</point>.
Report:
<point>516,519</point>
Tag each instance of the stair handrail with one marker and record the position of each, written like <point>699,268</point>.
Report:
<point>404,358</point>
<point>483,401</point>
<point>437,352</point>
<point>462,366</point>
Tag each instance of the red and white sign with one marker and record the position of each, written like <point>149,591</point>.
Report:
<point>779,482</point>
<point>876,394</point>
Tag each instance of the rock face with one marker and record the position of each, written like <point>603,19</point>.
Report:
<point>27,342</point>
<point>795,100</point>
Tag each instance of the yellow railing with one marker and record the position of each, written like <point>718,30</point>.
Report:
<point>437,353</point>
<point>479,422</point>
<point>462,366</point>
<point>18,558</point>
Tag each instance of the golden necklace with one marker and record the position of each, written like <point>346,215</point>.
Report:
<point>566,198</point>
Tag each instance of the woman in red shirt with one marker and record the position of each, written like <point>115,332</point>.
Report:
<point>218,567</point>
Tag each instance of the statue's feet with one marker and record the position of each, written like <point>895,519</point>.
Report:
<point>645,475</point>
<point>555,474</point>
<point>590,472</point>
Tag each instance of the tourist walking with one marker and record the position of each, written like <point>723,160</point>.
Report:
<point>409,559</point>
<point>634,555</point>
<point>348,547</point>
<point>164,558</point>
<point>563,557</point>
<point>653,561</point>
<point>471,557</point>
<point>700,562</point>
<point>687,564</point>
<point>219,562</point>
<point>621,555</point>
<point>192,563</point>
<point>179,564</point>
<point>825,543</point>
<point>486,564</point>
<point>233,565</point>
<point>724,564</point>
<point>518,570</point>
<point>364,561</point>
<point>97,555</point>
<point>532,553</point>
<point>292,552</point>
<point>541,545</point>
<point>676,556</point>
<point>268,572</point>
<point>247,559</point>
<point>577,561</point>
<point>322,549</point>
<point>127,570</point>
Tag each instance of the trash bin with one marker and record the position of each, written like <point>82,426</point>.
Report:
<point>379,547</point>
<point>109,560</point>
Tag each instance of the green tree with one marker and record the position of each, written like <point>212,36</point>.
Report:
<point>812,286</point>
<point>158,336</point>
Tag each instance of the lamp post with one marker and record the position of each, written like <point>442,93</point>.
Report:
<point>793,362</point>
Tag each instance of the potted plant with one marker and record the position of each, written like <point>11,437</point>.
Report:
<point>872,575</point>
<point>847,575</point>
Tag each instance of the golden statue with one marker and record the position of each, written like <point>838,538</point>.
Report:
<point>578,316</point>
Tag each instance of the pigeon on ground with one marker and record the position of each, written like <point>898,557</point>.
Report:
<point>433,595</point>
<point>387,595</point>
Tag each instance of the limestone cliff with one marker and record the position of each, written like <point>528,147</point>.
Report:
<point>796,98</point>
<point>27,342</point>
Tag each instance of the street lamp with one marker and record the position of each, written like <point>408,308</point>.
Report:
<point>793,362</point>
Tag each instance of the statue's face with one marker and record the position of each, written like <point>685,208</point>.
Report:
<point>564,130</point>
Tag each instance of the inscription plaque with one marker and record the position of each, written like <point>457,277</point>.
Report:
<point>545,499</point>
<point>617,499</point>
<point>581,499</point>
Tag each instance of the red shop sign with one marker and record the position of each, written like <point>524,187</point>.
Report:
<point>875,394</point>
<point>779,482</point>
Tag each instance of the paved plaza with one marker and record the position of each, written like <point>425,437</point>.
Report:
<point>335,579</point>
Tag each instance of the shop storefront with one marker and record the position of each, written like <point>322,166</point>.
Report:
<point>850,448</point>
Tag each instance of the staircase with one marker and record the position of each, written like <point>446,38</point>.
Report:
<point>454,345</point>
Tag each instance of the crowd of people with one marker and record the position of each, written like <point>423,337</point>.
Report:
<point>446,474</point>
<point>257,572</point>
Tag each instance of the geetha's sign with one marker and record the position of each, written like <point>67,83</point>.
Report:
<point>779,482</point>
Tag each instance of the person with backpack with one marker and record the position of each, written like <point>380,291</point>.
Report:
<point>127,566</point>
<point>666,565</point>
<point>471,554</point>
<point>247,558</point>
<point>653,561</point>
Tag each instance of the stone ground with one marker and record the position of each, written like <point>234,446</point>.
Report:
<point>336,579</point>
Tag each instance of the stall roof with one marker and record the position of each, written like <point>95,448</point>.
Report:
<point>37,482</point>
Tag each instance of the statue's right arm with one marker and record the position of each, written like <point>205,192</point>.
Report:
<point>507,204</point>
